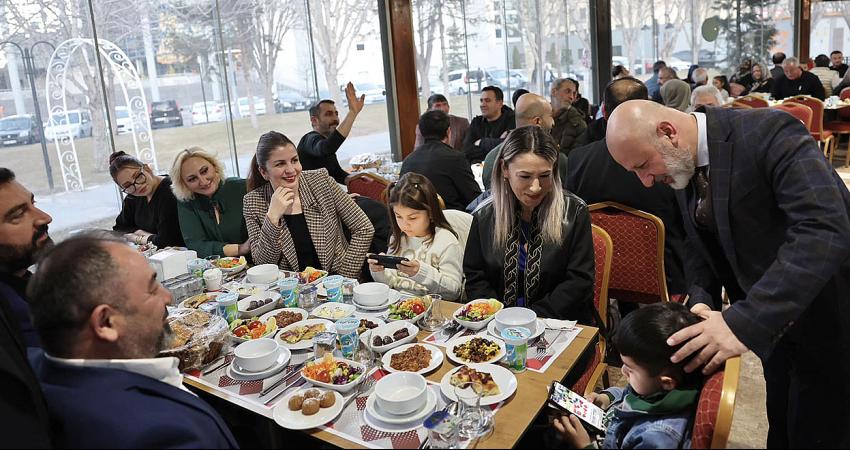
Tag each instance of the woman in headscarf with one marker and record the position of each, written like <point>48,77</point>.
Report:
<point>676,94</point>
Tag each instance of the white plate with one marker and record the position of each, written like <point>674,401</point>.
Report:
<point>503,377</point>
<point>388,330</point>
<point>274,312</point>
<point>450,346</point>
<point>234,269</point>
<point>417,416</point>
<point>243,304</point>
<point>475,326</point>
<point>242,374</point>
<point>296,420</point>
<point>537,332</point>
<point>393,297</point>
<point>303,345</point>
<point>415,319</point>
<point>333,311</point>
<point>343,388</point>
<point>213,294</point>
<point>436,358</point>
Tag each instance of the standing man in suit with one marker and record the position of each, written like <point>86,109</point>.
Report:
<point>767,217</point>
<point>595,177</point>
<point>317,149</point>
<point>23,232</point>
<point>447,168</point>
<point>457,124</point>
<point>101,317</point>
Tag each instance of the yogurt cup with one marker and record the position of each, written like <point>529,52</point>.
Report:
<point>516,348</point>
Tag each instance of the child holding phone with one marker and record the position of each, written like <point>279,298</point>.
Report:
<point>657,407</point>
<point>420,233</point>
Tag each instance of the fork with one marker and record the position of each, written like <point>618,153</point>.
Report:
<point>542,345</point>
<point>364,387</point>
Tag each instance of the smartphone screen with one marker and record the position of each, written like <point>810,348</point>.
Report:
<point>573,403</point>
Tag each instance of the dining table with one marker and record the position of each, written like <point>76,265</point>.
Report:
<point>513,417</point>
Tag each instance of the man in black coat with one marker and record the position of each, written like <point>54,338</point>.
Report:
<point>23,232</point>
<point>447,168</point>
<point>767,216</point>
<point>796,81</point>
<point>317,149</point>
<point>595,177</point>
<point>490,128</point>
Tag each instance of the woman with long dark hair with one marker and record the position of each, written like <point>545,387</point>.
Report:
<point>295,218</point>
<point>530,244</point>
<point>422,234</point>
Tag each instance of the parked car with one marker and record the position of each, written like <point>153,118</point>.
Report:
<point>499,78</point>
<point>166,114</point>
<point>123,121</point>
<point>75,123</point>
<point>245,107</point>
<point>375,93</point>
<point>207,112</point>
<point>463,81</point>
<point>287,101</point>
<point>678,65</point>
<point>20,129</point>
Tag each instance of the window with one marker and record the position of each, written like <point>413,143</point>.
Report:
<point>361,47</point>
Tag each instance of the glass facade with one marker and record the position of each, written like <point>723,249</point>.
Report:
<point>171,74</point>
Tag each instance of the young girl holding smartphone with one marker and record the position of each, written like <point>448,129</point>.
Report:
<point>421,233</point>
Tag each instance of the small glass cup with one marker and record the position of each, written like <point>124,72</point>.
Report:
<point>442,430</point>
<point>475,421</point>
<point>197,267</point>
<point>434,320</point>
<point>365,356</point>
<point>348,290</point>
<point>307,297</point>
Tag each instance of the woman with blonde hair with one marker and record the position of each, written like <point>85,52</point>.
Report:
<point>530,243</point>
<point>295,218</point>
<point>209,205</point>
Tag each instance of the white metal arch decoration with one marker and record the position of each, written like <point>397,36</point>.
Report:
<point>133,94</point>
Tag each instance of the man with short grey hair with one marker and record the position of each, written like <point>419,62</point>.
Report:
<point>705,96</point>
<point>700,77</point>
<point>796,81</point>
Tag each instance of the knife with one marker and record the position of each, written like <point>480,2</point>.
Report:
<point>296,371</point>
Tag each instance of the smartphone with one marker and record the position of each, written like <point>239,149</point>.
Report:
<point>568,401</point>
<point>389,262</point>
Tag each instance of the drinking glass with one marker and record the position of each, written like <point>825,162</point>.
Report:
<point>307,297</point>
<point>442,430</point>
<point>365,356</point>
<point>475,421</point>
<point>434,320</point>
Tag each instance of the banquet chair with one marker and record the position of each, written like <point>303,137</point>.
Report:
<point>841,126</point>
<point>596,369</point>
<point>802,112</point>
<point>637,269</point>
<point>368,185</point>
<point>752,101</point>
<point>824,137</point>
<point>715,408</point>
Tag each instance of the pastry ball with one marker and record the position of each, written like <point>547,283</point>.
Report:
<point>312,393</point>
<point>295,402</point>
<point>327,399</point>
<point>310,406</point>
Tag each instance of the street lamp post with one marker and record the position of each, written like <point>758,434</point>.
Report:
<point>29,69</point>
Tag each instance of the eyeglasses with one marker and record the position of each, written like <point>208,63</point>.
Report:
<point>138,180</point>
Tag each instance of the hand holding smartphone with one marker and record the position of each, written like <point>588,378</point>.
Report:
<point>568,401</point>
<point>389,262</point>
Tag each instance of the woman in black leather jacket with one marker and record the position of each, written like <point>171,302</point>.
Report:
<point>530,243</point>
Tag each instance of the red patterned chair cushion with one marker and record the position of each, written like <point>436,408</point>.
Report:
<point>706,417</point>
<point>635,266</point>
<point>599,251</point>
<point>367,187</point>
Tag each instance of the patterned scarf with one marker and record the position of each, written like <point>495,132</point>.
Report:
<point>532,264</point>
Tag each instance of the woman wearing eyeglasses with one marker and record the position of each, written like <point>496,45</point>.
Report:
<point>149,212</point>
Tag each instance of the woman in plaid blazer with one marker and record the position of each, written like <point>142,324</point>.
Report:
<point>295,219</point>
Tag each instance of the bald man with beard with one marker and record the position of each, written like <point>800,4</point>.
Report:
<point>767,217</point>
<point>531,109</point>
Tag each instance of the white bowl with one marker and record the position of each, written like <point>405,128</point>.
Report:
<point>243,304</point>
<point>341,388</point>
<point>256,355</point>
<point>371,294</point>
<point>515,317</point>
<point>475,325</point>
<point>263,274</point>
<point>401,393</point>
